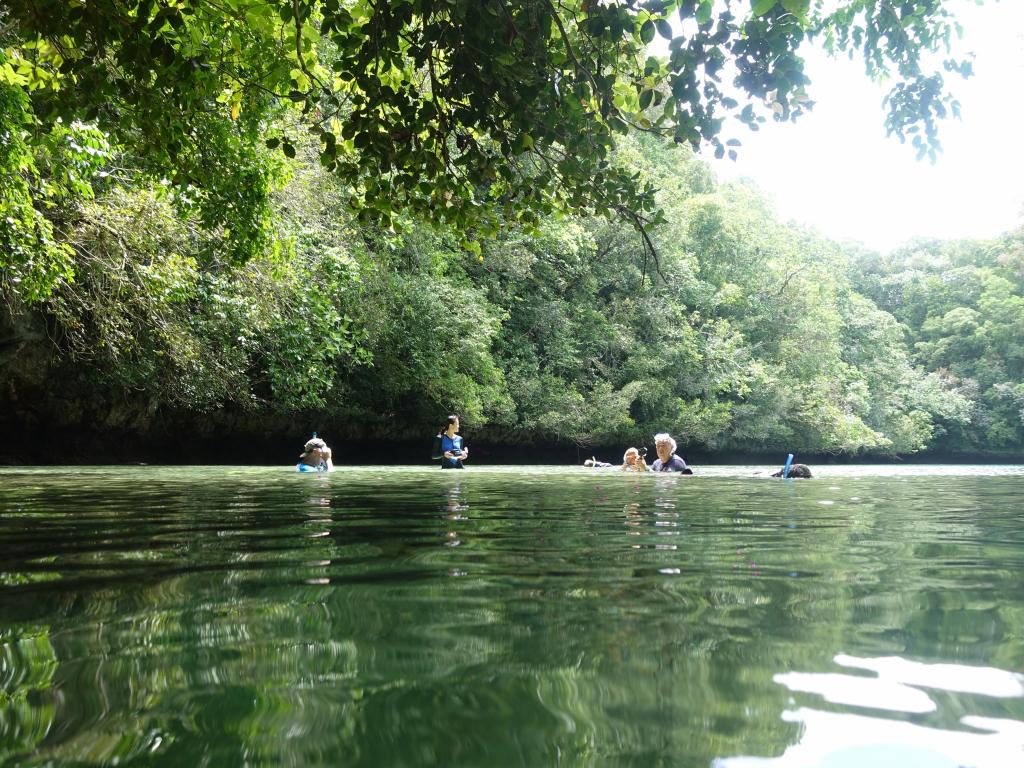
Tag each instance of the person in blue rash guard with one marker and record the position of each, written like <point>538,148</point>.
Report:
<point>448,446</point>
<point>316,457</point>
<point>667,460</point>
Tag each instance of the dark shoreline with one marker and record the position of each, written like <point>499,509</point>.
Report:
<point>186,447</point>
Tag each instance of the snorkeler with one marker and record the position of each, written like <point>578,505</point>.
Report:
<point>798,471</point>
<point>315,457</point>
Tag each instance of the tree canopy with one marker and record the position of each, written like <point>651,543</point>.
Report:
<point>468,112</point>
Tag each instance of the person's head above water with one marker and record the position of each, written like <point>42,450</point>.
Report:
<point>664,445</point>
<point>796,471</point>
<point>452,425</point>
<point>313,450</point>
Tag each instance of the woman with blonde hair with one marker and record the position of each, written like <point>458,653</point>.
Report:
<point>633,460</point>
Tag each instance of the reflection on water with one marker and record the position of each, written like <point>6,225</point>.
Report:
<point>511,616</point>
<point>948,677</point>
<point>859,691</point>
<point>844,739</point>
<point>832,740</point>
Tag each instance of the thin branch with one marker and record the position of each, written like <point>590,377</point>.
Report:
<point>640,224</point>
<point>785,283</point>
<point>568,46</point>
<point>442,118</point>
<point>298,45</point>
<point>663,132</point>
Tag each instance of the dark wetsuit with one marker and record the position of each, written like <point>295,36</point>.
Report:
<point>674,464</point>
<point>797,471</point>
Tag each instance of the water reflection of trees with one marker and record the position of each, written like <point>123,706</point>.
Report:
<point>573,631</point>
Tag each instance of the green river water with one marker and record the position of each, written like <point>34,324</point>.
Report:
<point>526,616</point>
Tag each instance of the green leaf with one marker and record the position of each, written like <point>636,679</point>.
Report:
<point>761,7</point>
<point>704,12</point>
<point>664,29</point>
<point>647,31</point>
<point>680,88</point>
<point>797,7</point>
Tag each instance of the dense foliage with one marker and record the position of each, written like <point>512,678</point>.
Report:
<point>750,335</point>
<point>469,113</point>
<point>961,306</point>
<point>280,208</point>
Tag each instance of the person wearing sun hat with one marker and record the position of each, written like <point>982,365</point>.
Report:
<point>315,457</point>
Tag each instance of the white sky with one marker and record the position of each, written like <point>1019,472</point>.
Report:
<point>835,170</point>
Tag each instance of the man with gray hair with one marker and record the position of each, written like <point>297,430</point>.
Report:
<point>667,460</point>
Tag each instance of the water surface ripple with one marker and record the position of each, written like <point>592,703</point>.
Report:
<point>511,616</point>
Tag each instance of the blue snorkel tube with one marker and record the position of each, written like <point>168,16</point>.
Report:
<point>785,469</point>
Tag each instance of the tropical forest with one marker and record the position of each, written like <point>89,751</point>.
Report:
<point>503,238</point>
<point>258,218</point>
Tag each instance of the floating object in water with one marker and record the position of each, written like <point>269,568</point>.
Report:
<point>793,471</point>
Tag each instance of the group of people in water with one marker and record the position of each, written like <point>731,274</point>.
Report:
<point>451,451</point>
<point>635,459</point>
<point>449,448</point>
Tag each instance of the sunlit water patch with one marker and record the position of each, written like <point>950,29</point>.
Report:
<point>836,739</point>
<point>511,616</point>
